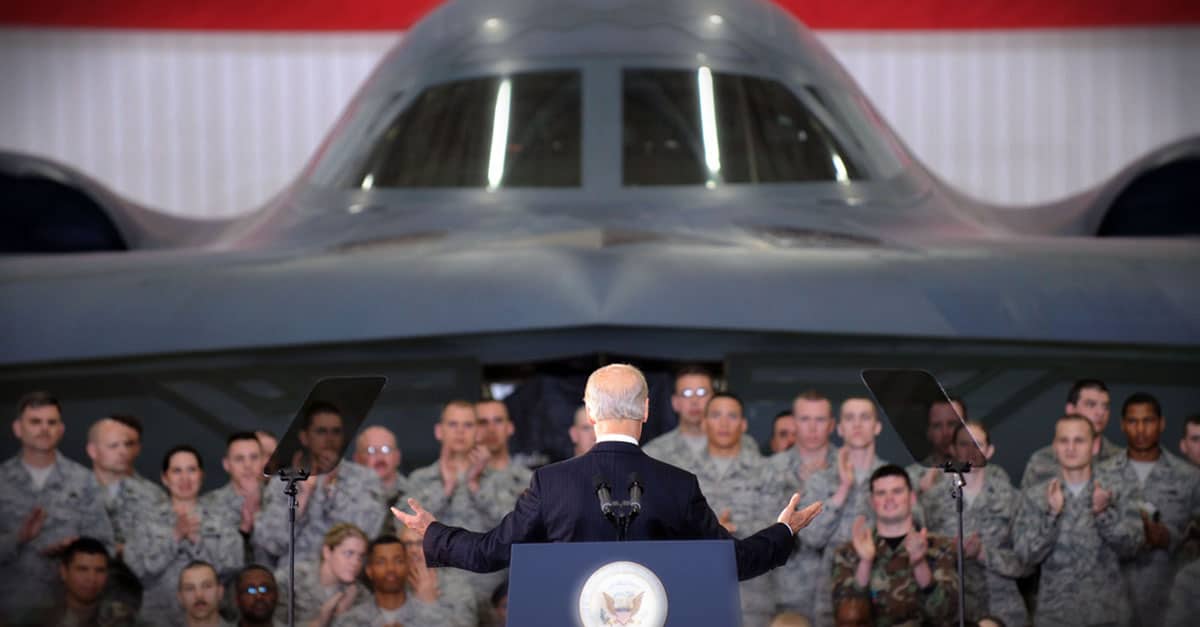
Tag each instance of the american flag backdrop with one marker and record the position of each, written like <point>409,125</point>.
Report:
<point>207,109</point>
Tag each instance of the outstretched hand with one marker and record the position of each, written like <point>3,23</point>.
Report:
<point>418,521</point>
<point>798,519</point>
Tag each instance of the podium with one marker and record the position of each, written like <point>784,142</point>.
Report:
<point>685,582</point>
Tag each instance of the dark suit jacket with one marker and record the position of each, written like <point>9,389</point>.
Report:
<point>560,505</point>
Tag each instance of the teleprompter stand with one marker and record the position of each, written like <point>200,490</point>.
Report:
<point>906,398</point>
<point>340,404</point>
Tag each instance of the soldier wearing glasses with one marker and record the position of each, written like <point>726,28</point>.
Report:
<point>684,445</point>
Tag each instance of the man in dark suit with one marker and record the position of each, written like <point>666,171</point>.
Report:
<point>561,505</point>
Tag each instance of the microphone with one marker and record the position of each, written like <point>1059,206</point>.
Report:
<point>635,493</point>
<point>605,495</point>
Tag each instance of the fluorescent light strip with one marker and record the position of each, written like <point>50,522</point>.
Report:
<point>499,134</point>
<point>708,123</point>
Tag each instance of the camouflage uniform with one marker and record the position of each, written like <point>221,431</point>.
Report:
<point>226,504</point>
<point>991,583</point>
<point>895,596</point>
<point>479,511</point>
<point>73,505</point>
<point>414,613</point>
<point>131,500</point>
<point>671,447</point>
<point>157,558</point>
<point>310,594</point>
<point>390,494</point>
<point>353,498</point>
<point>1171,489</point>
<point>832,529</point>
<point>1079,553</point>
<point>1043,466</point>
<point>795,582</point>
<point>1184,601</point>
<point>750,488</point>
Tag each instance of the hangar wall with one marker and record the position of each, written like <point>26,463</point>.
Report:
<point>213,123</point>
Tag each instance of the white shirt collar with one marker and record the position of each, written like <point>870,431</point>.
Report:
<point>617,437</point>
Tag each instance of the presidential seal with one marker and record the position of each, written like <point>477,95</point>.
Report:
<point>623,593</point>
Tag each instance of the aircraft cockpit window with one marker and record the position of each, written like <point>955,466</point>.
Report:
<point>684,127</point>
<point>522,130</point>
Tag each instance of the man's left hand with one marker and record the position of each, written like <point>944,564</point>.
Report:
<point>797,520</point>
<point>418,521</point>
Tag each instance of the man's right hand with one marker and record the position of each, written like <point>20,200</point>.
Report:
<point>32,525</point>
<point>863,540</point>
<point>798,519</point>
<point>1054,496</point>
<point>845,467</point>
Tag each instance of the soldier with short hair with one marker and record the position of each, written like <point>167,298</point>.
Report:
<point>844,491</point>
<point>812,412</point>
<point>400,596</point>
<point>376,448</point>
<point>683,445</point>
<point>1078,525</point>
<point>783,432</point>
<point>1088,398</point>
<point>943,419</point>
<point>582,433</point>
<point>348,493</point>
<point>456,598</point>
<point>1164,489</point>
<point>237,502</point>
<point>113,446</point>
<point>1189,444</point>
<point>493,467</point>
<point>461,488</point>
<point>200,595</point>
<point>991,567</point>
<point>741,488</point>
<point>49,501</point>
<point>909,575</point>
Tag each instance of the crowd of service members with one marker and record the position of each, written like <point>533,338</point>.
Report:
<point>1093,534</point>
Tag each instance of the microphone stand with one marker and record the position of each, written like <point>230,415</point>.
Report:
<point>619,513</point>
<point>957,471</point>
<point>291,490</point>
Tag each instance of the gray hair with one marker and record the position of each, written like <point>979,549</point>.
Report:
<point>616,392</point>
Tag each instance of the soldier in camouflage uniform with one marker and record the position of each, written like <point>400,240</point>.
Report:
<point>843,490</point>
<point>1163,488</point>
<point>113,446</point>
<point>328,582</point>
<point>399,596</point>
<point>742,490</point>
<point>348,493</point>
<point>943,421</point>
<point>909,575</point>
<point>456,597</point>
<point>199,593</point>
<point>462,488</point>
<point>990,503</point>
<point>47,501</point>
<point>236,503</point>
<point>1078,526</point>
<point>1088,398</point>
<point>491,457</point>
<point>171,536</point>
<point>795,582</point>
<point>683,445</point>
<point>376,449</point>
